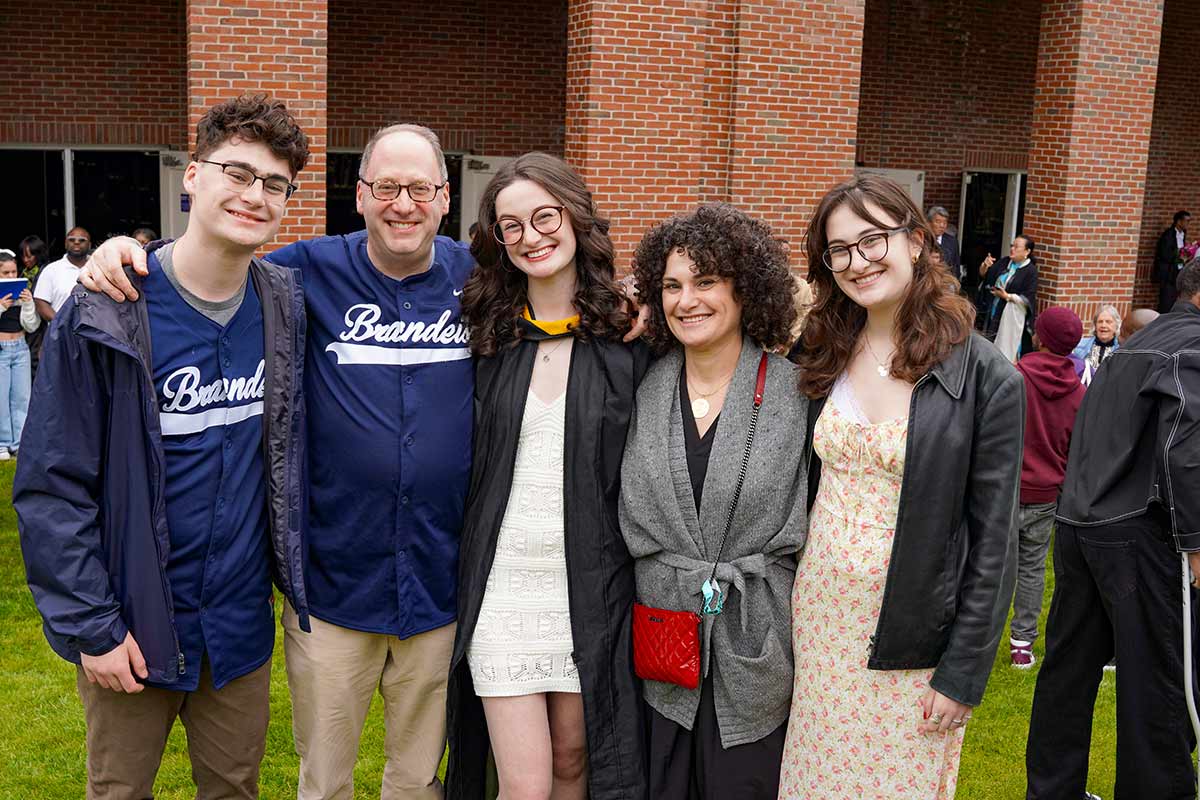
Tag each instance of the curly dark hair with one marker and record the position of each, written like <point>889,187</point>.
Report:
<point>497,292</point>
<point>932,318</point>
<point>727,242</point>
<point>253,118</point>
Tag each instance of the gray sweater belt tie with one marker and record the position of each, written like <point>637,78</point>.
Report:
<point>692,573</point>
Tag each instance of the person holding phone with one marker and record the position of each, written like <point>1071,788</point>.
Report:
<point>18,318</point>
<point>1009,281</point>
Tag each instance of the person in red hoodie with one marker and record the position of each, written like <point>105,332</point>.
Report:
<point>1053,394</point>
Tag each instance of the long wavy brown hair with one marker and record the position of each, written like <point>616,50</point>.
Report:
<point>933,317</point>
<point>497,291</point>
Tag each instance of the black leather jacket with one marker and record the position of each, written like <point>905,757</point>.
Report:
<point>1137,437</point>
<point>953,564</point>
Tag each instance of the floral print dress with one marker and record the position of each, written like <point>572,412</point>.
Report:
<point>852,732</point>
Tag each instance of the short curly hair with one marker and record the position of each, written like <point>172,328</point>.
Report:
<point>725,241</point>
<point>253,118</point>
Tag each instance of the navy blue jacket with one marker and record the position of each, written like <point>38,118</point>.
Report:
<point>89,490</point>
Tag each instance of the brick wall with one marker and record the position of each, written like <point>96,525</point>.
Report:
<point>488,77</point>
<point>86,73</point>
<point>1173,175</point>
<point>1091,138</point>
<point>947,87</point>
<point>672,102</point>
<point>250,46</point>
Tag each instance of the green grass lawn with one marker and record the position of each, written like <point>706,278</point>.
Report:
<point>41,722</point>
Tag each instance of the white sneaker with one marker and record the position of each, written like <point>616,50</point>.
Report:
<point>4,454</point>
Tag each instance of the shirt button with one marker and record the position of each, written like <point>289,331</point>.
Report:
<point>407,305</point>
<point>404,500</point>
<point>408,379</point>
<point>409,441</point>
<point>227,363</point>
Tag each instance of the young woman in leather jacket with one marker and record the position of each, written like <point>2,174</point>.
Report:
<point>915,434</point>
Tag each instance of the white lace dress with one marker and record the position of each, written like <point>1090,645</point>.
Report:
<point>522,642</point>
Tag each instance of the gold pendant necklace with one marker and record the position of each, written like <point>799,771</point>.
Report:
<point>701,406</point>
<point>880,367</point>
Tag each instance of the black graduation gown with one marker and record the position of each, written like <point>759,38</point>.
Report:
<point>601,386</point>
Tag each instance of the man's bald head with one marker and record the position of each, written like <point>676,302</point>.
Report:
<point>1137,319</point>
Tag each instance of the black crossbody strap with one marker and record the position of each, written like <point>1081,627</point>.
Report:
<point>741,479</point>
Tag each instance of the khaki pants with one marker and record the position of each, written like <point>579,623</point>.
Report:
<point>226,735</point>
<point>333,673</point>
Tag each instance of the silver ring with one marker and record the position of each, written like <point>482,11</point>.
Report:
<point>958,722</point>
<point>936,719</point>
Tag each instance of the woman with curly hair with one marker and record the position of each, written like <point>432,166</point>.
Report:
<point>916,429</point>
<point>545,583</point>
<point>713,498</point>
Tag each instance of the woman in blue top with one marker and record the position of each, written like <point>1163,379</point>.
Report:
<point>1094,350</point>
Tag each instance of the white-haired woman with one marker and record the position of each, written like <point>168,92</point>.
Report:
<point>1094,350</point>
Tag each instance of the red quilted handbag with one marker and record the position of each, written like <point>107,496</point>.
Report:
<point>666,645</point>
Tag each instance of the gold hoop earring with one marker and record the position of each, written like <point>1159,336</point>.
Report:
<point>916,257</point>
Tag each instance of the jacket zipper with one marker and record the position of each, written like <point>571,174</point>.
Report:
<point>157,512</point>
<point>160,513</point>
<point>887,584</point>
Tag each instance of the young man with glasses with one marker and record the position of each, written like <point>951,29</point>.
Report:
<point>58,278</point>
<point>389,386</point>
<point>155,514</point>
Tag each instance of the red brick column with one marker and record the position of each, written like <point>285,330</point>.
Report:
<point>795,116</point>
<point>1094,102</point>
<point>671,103</point>
<point>263,46</point>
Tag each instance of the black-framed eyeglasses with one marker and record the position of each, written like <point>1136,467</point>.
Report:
<point>544,219</point>
<point>387,189</point>
<point>276,187</point>
<point>872,247</point>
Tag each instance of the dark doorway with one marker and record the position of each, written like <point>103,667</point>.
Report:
<point>35,205</point>
<point>341,171</point>
<point>982,223</point>
<point>116,192</point>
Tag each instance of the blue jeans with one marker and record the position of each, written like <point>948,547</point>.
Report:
<point>15,379</point>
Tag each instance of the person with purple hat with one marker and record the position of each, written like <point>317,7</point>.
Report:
<point>1053,394</point>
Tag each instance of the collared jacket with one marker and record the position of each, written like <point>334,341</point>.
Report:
<point>1166,256</point>
<point>1136,445</point>
<point>89,490</point>
<point>600,586</point>
<point>953,566</point>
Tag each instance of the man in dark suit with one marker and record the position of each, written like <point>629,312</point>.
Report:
<point>1166,258</point>
<point>939,219</point>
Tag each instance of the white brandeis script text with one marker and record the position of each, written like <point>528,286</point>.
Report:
<point>362,325</point>
<point>184,393</point>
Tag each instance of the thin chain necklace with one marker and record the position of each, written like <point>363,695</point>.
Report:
<point>700,405</point>
<point>880,366</point>
<point>550,350</point>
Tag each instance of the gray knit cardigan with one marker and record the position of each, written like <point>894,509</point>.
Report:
<point>747,648</point>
